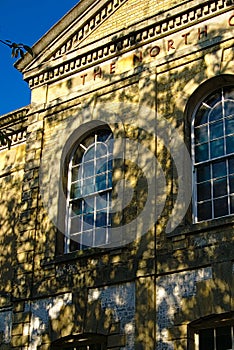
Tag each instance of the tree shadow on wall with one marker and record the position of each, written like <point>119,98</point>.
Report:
<point>168,292</point>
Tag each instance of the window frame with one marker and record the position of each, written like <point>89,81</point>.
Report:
<point>208,323</point>
<point>202,93</point>
<point>215,336</point>
<point>80,341</point>
<point>95,133</point>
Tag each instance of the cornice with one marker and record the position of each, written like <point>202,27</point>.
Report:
<point>14,117</point>
<point>14,125</point>
<point>89,26</point>
<point>87,16</point>
<point>83,59</point>
<point>76,14</point>
<point>16,137</point>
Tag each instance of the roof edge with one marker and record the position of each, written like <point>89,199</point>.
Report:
<point>54,31</point>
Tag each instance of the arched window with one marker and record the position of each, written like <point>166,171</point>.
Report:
<point>213,155</point>
<point>89,185</point>
<point>215,332</point>
<point>86,341</point>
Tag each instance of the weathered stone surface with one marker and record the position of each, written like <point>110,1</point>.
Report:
<point>140,67</point>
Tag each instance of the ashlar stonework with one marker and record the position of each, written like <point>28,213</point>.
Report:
<point>145,268</point>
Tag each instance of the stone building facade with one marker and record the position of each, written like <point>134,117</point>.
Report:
<point>117,191</point>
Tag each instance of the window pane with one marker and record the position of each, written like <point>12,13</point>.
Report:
<point>204,191</point>
<point>229,108</point>
<point>214,98</point>
<point>88,221</point>
<point>201,153</point>
<point>75,224</point>
<point>229,93</point>
<point>110,144</point>
<point>76,207</point>
<point>204,211</point>
<point>88,205</point>
<point>201,134</point>
<point>76,173</point>
<point>203,173</point>
<point>77,157</point>
<point>103,136</point>
<point>88,186</point>
<point>109,216</point>
<point>76,190</point>
<point>220,187</point>
<point>101,219</point>
<point>219,169</point>
<point>100,236</point>
<point>101,165</point>
<point>87,239</point>
<point>217,148</point>
<point>202,115</point>
<point>232,204</point>
<point>110,164</point>
<point>229,125</point>
<point>230,144</point>
<point>101,182</point>
<point>231,165</point>
<point>220,207</point>
<point>223,338</point>
<point>216,113</point>
<point>101,150</point>
<point>206,339</point>
<point>89,154</point>
<point>216,130</point>
<point>89,140</point>
<point>88,169</point>
<point>102,201</point>
<point>74,244</point>
<point>109,180</point>
<point>231,183</point>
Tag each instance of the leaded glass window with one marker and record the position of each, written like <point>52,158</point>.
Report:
<point>213,156</point>
<point>89,192</point>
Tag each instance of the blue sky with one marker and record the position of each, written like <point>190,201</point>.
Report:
<point>23,21</point>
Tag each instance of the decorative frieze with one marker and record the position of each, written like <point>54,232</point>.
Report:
<point>89,27</point>
<point>155,31</point>
<point>15,137</point>
<point>14,117</point>
<point>13,126</point>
